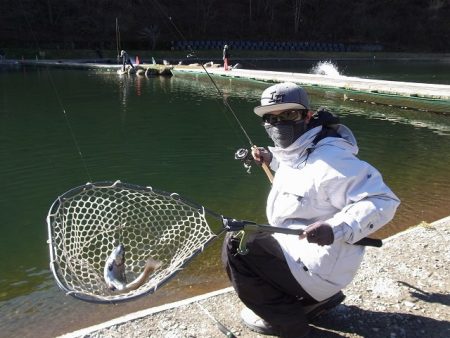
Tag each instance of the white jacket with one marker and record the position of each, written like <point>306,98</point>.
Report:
<point>332,185</point>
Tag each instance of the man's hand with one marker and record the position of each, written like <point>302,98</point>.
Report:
<point>261,155</point>
<point>320,233</point>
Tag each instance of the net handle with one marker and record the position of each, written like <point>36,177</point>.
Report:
<point>228,224</point>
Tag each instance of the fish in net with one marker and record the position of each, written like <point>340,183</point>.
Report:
<point>86,223</point>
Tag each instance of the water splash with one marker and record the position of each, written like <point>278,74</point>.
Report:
<point>325,68</point>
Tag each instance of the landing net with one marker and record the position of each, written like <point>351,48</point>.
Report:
<point>86,223</point>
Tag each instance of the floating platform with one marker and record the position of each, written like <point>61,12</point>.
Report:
<point>141,69</point>
<point>379,90</point>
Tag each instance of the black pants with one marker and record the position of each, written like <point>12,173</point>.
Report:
<point>265,284</point>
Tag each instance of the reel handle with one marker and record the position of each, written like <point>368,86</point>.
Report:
<point>246,157</point>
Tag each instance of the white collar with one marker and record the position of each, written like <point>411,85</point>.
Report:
<point>295,155</point>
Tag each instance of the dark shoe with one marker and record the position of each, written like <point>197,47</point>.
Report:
<point>314,310</point>
<point>256,323</point>
<point>259,325</point>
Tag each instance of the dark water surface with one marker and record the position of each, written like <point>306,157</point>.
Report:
<point>63,128</point>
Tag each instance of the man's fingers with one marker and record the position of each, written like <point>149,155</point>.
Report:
<point>258,155</point>
<point>312,237</point>
<point>319,233</point>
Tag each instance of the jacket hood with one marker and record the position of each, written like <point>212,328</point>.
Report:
<point>296,154</point>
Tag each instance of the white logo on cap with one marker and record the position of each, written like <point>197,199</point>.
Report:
<point>278,98</point>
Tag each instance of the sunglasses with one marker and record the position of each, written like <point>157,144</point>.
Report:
<point>287,115</point>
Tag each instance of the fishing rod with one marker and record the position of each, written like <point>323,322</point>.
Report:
<point>117,39</point>
<point>241,154</point>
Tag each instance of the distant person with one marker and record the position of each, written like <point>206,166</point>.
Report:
<point>125,60</point>
<point>2,54</point>
<point>226,57</point>
<point>321,187</point>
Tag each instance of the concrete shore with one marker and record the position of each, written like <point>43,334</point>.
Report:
<point>401,290</point>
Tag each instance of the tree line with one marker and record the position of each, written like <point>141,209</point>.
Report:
<point>400,25</point>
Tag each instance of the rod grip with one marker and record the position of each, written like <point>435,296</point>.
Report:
<point>366,241</point>
<point>268,172</point>
<point>265,168</point>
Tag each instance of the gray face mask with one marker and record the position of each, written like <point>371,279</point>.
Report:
<point>283,134</point>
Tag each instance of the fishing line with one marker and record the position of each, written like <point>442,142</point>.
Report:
<point>69,126</point>
<point>220,326</point>
<point>61,105</point>
<point>191,54</point>
<point>118,47</point>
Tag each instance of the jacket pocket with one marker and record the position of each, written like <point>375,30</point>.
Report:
<point>320,260</point>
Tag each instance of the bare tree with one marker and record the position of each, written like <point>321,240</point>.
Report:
<point>207,12</point>
<point>437,4</point>
<point>297,11</point>
<point>151,34</point>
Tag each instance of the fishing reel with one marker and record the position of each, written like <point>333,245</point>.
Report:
<point>239,227</point>
<point>246,157</point>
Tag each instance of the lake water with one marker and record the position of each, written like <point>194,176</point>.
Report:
<point>62,128</point>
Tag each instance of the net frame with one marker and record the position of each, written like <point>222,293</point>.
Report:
<point>82,236</point>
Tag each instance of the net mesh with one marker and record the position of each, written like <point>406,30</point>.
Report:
<point>87,223</point>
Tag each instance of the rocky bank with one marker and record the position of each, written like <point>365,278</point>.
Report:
<point>401,290</point>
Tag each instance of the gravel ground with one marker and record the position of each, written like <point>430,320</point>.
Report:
<point>401,290</point>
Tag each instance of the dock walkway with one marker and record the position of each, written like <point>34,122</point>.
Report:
<point>404,89</point>
<point>106,66</point>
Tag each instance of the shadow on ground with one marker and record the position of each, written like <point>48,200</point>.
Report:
<point>346,320</point>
